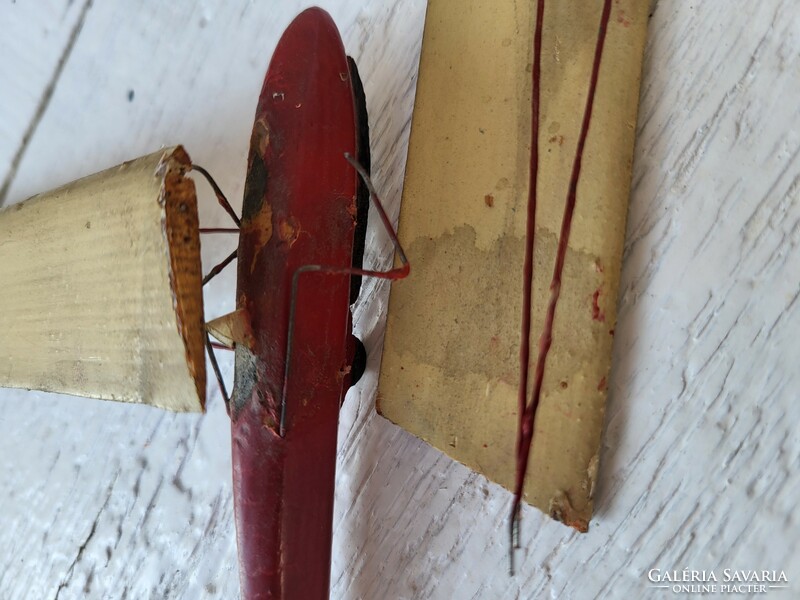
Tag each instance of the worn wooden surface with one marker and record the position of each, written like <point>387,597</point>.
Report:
<point>101,291</point>
<point>700,459</point>
<point>457,324</point>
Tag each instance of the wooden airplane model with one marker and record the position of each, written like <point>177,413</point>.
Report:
<point>301,245</point>
<point>526,173</point>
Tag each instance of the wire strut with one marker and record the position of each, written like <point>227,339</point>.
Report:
<point>392,274</point>
<point>223,201</point>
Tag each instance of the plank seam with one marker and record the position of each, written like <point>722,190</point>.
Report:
<point>44,102</point>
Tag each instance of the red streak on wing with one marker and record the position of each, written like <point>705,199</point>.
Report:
<point>527,409</point>
<point>597,312</point>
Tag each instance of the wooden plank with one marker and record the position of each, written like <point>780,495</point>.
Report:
<point>102,292</point>
<point>454,329</point>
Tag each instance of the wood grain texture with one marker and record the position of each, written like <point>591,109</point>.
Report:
<point>701,453</point>
<point>29,78</point>
<point>455,328</point>
<point>102,295</point>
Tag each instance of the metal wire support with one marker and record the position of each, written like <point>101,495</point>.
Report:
<point>218,268</point>
<point>223,201</point>
<point>215,365</point>
<point>392,274</point>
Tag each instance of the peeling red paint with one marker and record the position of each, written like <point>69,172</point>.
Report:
<point>289,230</point>
<point>283,479</point>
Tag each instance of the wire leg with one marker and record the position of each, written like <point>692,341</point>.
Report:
<point>219,346</point>
<point>215,365</point>
<point>392,274</point>
<point>219,230</point>
<point>216,270</point>
<point>223,201</point>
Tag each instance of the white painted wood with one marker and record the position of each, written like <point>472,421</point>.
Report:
<point>702,450</point>
<point>37,40</point>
